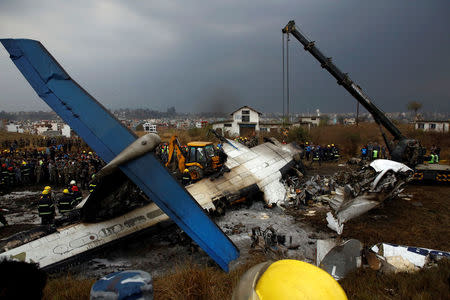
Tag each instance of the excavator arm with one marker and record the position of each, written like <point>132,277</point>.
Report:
<point>175,147</point>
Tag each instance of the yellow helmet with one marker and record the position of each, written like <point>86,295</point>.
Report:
<point>66,191</point>
<point>332,145</point>
<point>47,188</point>
<point>186,171</point>
<point>45,192</point>
<point>287,279</point>
<point>328,146</point>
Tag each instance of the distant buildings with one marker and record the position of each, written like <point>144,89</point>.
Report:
<point>438,126</point>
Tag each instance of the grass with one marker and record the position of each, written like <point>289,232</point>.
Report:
<point>67,288</point>
<point>432,283</point>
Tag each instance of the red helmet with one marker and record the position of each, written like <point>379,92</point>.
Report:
<point>4,166</point>
<point>74,188</point>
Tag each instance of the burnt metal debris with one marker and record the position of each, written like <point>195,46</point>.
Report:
<point>349,193</point>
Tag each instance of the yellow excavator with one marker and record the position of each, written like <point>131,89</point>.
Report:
<point>200,158</point>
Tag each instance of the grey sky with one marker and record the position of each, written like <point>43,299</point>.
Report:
<point>216,55</point>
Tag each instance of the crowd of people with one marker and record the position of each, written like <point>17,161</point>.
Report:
<point>373,151</point>
<point>319,154</point>
<point>56,164</point>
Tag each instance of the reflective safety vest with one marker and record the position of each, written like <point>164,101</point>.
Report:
<point>46,206</point>
<point>432,159</point>
<point>92,187</point>
<point>65,203</point>
<point>375,153</point>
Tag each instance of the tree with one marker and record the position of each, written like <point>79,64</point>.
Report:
<point>414,106</point>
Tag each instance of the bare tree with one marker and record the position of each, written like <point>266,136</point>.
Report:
<point>414,106</point>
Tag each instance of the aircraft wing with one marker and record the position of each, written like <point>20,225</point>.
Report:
<point>108,137</point>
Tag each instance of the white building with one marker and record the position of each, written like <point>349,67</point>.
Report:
<point>66,130</point>
<point>313,121</point>
<point>11,127</point>
<point>149,127</point>
<point>244,122</point>
<point>438,126</point>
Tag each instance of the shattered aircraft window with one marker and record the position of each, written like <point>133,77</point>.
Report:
<point>209,150</point>
<point>201,157</point>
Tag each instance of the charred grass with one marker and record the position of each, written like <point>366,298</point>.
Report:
<point>432,283</point>
<point>67,288</point>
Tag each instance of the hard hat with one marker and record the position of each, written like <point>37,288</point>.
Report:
<point>3,165</point>
<point>73,182</point>
<point>328,146</point>
<point>332,144</point>
<point>287,279</point>
<point>66,191</point>
<point>90,153</point>
<point>186,171</point>
<point>24,163</point>
<point>45,192</point>
<point>93,176</point>
<point>307,143</point>
<point>47,188</point>
<point>74,188</point>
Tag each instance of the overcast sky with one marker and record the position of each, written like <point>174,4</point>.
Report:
<point>219,55</point>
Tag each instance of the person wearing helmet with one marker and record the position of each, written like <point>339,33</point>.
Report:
<point>66,202</point>
<point>287,279</point>
<point>186,179</point>
<point>46,208</point>
<point>76,194</point>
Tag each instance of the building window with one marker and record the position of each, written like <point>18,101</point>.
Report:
<point>263,129</point>
<point>245,118</point>
<point>226,125</point>
<point>420,126</point>
<point>245,112</point>
<point>432,126</point>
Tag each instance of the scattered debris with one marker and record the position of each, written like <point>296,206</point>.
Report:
<point>341,259</point>
<point>406,258</point>
<point>350,193</point>
<point>131,284</point>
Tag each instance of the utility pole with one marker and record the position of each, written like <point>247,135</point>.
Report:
<point>287,78</point>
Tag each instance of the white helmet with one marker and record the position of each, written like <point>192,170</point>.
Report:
<point>73,182</point>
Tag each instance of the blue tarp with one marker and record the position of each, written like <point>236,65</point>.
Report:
<point>108,137</point>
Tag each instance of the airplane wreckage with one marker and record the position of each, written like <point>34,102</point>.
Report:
<point>135,191</point>
<point>131,159</point>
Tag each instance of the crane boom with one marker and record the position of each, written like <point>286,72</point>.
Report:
<point>344,80</point>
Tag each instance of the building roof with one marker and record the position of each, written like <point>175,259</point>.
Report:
<point>431,121</point>
<point>245,106</point>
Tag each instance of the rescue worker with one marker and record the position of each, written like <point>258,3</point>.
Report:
<point>46,207</point>
<point>374,153</point>
<point>186,178</point>
<point>66,202</point>
<point>76,194</point>
<point>364,152</point>
<point>316,156</point>
<point>308,151</point>
<point>93,184</point>
<point>287,279</point>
